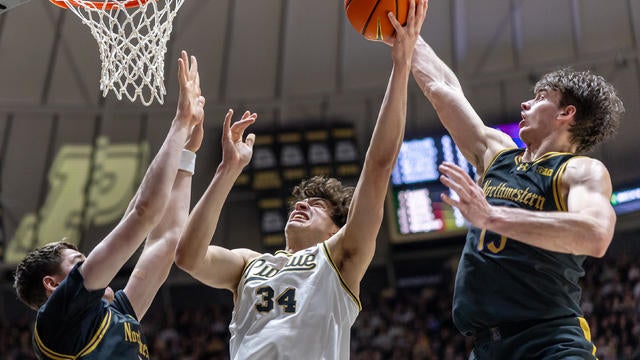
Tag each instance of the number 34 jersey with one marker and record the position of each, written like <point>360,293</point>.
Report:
<point>293,306</point>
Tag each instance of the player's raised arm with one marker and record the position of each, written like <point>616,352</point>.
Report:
<point>354,245</point>
<point>440,85</point>
<point>215,265</point>
<point>111,253</point>
<point>154,264</point>
<point>585,228</point>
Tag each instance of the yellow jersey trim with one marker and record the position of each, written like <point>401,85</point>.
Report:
<point>246,265</point>
<point>544,157</point>
<point>327,252</point>
<point>282,252</point>
<point>495,157</point>
<point>45,350</point>
<point>93,343</point>
<point>97,338</point>
<point>587,332</point>
<point>561,203</point>
<point>557,186</point>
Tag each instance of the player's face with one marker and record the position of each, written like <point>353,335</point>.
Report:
<point>539,115</point>
<point>312,215</point>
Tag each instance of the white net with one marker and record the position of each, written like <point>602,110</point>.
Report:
<point>132,36</point>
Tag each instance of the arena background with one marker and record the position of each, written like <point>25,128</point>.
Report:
<point>70,159</point>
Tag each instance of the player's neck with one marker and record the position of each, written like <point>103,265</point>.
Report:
<point>295,245</point>
<point>535,151</point>
<point>299,238</point>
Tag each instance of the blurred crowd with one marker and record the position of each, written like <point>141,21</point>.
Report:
<point>412,321</point>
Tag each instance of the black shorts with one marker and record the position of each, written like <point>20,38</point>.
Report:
<point>563,338</point>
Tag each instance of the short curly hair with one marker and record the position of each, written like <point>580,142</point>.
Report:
<point>38,263</point>
<point>330,189</point>
<point>598,107</point>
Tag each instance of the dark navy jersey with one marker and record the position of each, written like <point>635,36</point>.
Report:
<point>78,324</point>
<point>501,280</point>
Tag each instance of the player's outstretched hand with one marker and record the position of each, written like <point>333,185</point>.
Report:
<point>471,200</point>
<point>405,37</point>
<point>237,152</point>
<point>190,101</point>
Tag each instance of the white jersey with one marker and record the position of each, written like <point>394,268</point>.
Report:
<point>293,306</point>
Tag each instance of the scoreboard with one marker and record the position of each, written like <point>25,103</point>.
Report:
<point>284,157</point>
<point>414,207</point>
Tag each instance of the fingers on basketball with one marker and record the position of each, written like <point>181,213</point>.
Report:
<point>369,17</point>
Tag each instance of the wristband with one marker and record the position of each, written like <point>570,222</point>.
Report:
<point>187,161</point>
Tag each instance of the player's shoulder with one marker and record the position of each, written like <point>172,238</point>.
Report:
<point>581,168</point>
<point>582,163</point>
<point>496,140</point>
<point>247,255</point>
<point>493,154</point>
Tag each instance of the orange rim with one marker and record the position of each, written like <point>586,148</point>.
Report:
<point>103,5</point>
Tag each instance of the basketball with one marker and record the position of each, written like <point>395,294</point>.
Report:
<point>369,17</point>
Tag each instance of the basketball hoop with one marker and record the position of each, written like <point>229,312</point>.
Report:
<point>132,37</point>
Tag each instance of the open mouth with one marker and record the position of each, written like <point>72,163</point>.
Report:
<point>299,216</point>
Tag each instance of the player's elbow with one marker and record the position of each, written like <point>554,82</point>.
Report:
<point>183,265</point>
<point>600,245</point>
<point>598,252</point>
<point>441,92</point>
<point>601,239</point>
<point>183,261</point>
<point>382,162</point>
<point>592,234</point>
<point>146,213</point>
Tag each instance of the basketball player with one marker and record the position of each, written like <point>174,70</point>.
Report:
<point>538,212</point>
<point>300,303</point>
<point>79,316</point>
